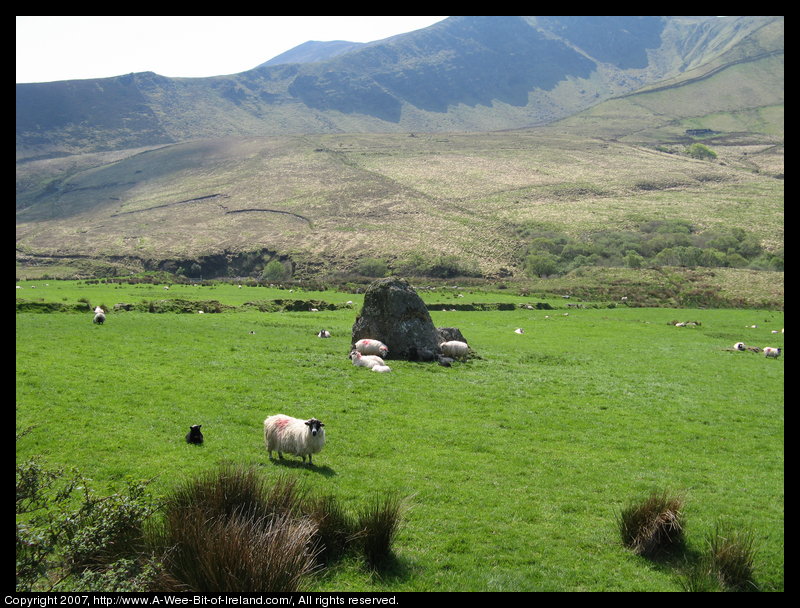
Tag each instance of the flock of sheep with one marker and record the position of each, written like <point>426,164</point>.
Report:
<point>284,434</point>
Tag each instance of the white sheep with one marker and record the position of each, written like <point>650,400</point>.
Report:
<point>370,361</point>
<point>739,346</point>
<point>324,333</point>
<point>381,368</point>
<point>769,351</point>
<point>371,347</point>
<point>455,349</point>
<point>519,330</point>
<point>293,436</point>
<point>99,318</point>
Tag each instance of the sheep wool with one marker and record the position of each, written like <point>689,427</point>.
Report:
<point>772,352</point>
<point>455,349</point>
<point>194,435</point>
<point>99,318</point>
<point>293,436</point>
<point>370,361</point>
<point>371,347</point>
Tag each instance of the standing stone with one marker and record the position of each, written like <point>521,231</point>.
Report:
<point>394,314</point>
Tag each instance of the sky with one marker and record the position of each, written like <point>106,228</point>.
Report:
<point>71,48</point>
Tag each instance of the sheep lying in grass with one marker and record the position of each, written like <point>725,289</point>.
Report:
<point>371,347</point>
<point>769,351</point>
<point>455,349</point>
<point>369,361</point>
<point>293,436</point>
<point>324,333</point>
<point>194,435</point>
<point>381,368</point>
<point>739,346</point>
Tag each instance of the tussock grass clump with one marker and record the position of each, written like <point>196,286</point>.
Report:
<point>379,522</point>
<point>653,526</point>
<point>231,530</point>
<point>731,556</point>
<point>238,553</point>
<point>228,530</point>
<point>727,564</point>
<point>336,528</point>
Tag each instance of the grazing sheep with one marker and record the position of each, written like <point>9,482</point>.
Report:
<point>739,346</point>
<point>98,309</point>
<point>324,333</point>
<point>371,347</point>
<point>293,436</point>
<point>519,330</point>
<point>194,435</point>
<point>99,318</point>
<point>772,352</point>
<point>370,361</point>
<point>455,349</point>
<point>381,368</point>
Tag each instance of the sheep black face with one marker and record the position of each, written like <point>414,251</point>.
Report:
<point>194,435</point>
<point>314,426</point>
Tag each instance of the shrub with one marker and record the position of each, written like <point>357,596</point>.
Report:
<point>275,271</point>
<point>372,267</point>
<point>700,151</point>
<point>57,537</point>
<point>653,526</point>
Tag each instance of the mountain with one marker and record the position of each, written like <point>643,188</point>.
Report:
<point>312,51</point>
<point>461,74</point>
<point>144,172</point>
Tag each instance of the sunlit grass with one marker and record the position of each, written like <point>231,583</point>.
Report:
<point>517,460</point>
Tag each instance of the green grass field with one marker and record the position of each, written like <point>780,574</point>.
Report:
<point>515,463</point>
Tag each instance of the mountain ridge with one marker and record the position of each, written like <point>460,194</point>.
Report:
<point>461,74</point>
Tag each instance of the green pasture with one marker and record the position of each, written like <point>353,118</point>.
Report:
<point>515,463</point>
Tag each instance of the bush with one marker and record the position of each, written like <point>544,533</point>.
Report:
<point>56,538</point>
<point>700,151</point>
<point>275,271</point>
<point>372,267</point>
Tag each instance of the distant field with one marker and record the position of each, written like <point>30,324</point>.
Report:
<point>515,463</point>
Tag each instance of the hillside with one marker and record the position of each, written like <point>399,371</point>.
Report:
<point>461,74</point>
<point>323,203</point>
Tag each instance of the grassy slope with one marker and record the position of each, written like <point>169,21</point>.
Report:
<point>387,195</point>
<point>517,462</point>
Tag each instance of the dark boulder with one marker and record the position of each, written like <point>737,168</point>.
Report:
<point>394,314</point>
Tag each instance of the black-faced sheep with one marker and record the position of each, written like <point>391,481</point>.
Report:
<point>99,317</point>
<point>769,351</point>
<point>324,333</point>
<point>293,436</point>
<point>194,435</point>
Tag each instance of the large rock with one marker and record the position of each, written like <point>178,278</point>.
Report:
<point>394,314</point>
